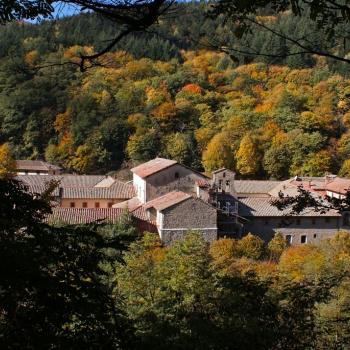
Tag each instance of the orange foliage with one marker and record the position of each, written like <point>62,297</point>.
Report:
<point>192,88</point>
<point>62,121</point>
<point>296,262</point>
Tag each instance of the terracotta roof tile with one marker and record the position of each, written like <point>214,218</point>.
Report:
<point>80,186</point>
<point>168,200</point>
<point>74,216</point>
<point>338,185</point>
<point>153,166</point>
<point>35,165</point>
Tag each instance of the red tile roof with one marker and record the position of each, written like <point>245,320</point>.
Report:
<point>341,186</point>
<point>153,166</point>
<point>168,200</point>
<point>203,183</point>
<point>74,216</point>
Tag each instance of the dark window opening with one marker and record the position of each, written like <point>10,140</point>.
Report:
<point>72,204</point>
<point>110,204</point>
<point>303,239</point>
<point>97,205</point>
<point>289,239</point>
<point>315,235</point>
<point>177,175</point>
<point>220,184</point>
<point>84,204</point>
<point>227,182</point>
<point>224,174</point>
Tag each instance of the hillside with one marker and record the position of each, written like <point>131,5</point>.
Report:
<point>165,95</point>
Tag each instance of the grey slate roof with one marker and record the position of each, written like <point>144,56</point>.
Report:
<point>257,206</point>
<point>255,186</point>
<point>80,186</point>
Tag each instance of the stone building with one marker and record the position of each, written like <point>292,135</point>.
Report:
<point>170,198</point>
<point>82,191</point>
<point>177,212</point>
<point>161,176</point>
<point>36,167</point>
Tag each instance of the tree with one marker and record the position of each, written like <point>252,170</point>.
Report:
<point>218,153</point>
<point>248,156</point>
<point>326,16</point>
<point>251,247</point>
<point>276,246</point>
<point>53,286</point>
<point>7,162</point>
<point>130,17</point>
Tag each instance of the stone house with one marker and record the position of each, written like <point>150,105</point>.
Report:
<point>36,167</point>
<point>177,212</point>
<point>161,176</point>
<point>171,199</point>
<point>82,191</point>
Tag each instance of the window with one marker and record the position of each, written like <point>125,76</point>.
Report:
<point>110,204</point>
<point>176,175</point>
<point>303,239</point>
<point>84,204</point>
<point>97,204</point>
<point>72,204</point>
<point>298,221</point>
<point>227,182</point>
<point>315,235</point>
<point>289,239</point>
<point>220,184</point>
<point>346,219</point>
<point>223,174</point>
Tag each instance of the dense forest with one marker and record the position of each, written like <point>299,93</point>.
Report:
<point>103,286</point>
<point>169,93</point>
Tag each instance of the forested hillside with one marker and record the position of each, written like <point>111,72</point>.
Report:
<point>168,94</point>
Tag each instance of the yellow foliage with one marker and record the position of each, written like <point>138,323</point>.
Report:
<point>302,262</point>
<point>248,156</point>
<point>224,251</point>
<point>32,58</point>
<point>7,162</point>
<point>63,121</point>
<point>73,53</point>
<point>218,153</point>
<point>165,113</point>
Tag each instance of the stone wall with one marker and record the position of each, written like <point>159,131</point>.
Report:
<point>174,178</point>
<point>192,214</point>
<point>170,236</point>
<point>315,229</point>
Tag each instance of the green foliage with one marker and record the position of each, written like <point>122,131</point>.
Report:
<point>196,106</point>
<point>54,290</point>
<point>251,246</point>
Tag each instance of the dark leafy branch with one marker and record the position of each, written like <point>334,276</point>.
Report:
<point>307,200</point>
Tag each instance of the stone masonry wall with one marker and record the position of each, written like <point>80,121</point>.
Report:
<point>316,229</point>
<point>174,178</point>
<point>192,214</point>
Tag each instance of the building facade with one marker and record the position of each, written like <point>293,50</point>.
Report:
<point>171,199</point>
